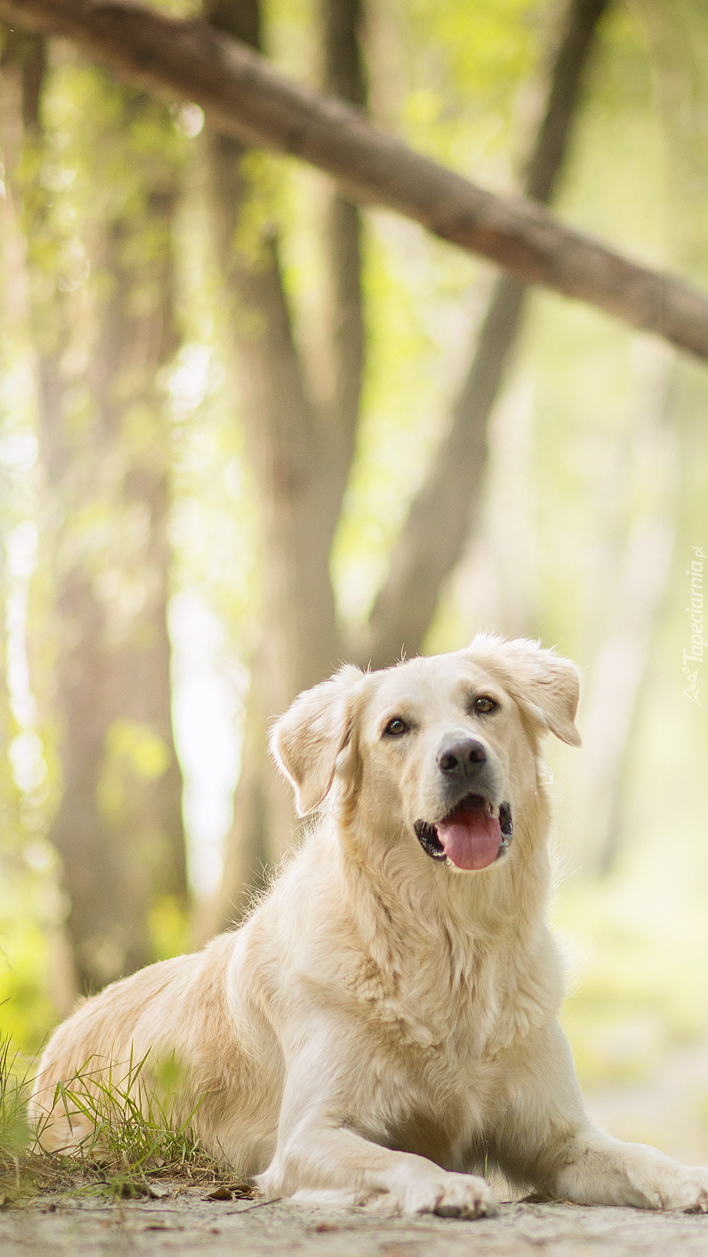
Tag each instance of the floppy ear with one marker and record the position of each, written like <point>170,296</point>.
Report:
<point>307,739</point>
<point>544,684</point>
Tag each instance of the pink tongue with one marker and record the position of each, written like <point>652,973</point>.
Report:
<point>470,839</point>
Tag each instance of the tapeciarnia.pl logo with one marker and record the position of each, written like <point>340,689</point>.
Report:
<point>693,658</point>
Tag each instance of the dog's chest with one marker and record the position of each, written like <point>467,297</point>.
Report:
<point>449,1016</point>
<point>435,1084</point>
<point>437,1100</point>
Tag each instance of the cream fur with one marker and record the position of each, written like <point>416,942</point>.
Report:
<point>384,1024</point>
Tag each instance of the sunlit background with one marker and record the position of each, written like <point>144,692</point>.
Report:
<point>594,508</point>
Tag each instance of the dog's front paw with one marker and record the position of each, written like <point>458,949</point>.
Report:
<point>686,1191</point>
<point>661,1183</point>
<point>450,1196</point>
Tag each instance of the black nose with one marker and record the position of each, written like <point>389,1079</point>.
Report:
<point>457,757</point>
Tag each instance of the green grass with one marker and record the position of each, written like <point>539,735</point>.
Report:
<point>135,1142</point>
<point>14,1132</point>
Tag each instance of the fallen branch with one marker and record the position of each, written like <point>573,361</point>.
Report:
<point>244,97</point>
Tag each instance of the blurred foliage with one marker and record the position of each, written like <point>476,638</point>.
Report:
<point>634,996</point>
<point>575,460</point>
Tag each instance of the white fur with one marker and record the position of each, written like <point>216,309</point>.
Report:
<point>384,1024</point>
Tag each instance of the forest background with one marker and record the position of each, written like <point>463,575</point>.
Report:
<point>248,431</point>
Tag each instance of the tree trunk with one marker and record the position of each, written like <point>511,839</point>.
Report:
<point>445,510</point>
<point>343,76</point>
<point>300,451</point>
<point>631,590</point>
<point>118,829</point>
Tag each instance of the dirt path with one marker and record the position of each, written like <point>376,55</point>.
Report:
<point>183,1223</point>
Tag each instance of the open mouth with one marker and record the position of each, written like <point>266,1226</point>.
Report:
<point>472,836</point>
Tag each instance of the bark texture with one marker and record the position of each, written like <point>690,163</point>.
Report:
<point>344,76</point>
<point>244,98</point>
<point>301,449</point>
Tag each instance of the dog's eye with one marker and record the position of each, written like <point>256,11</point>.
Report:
<point>395,727</point>
<point>485,704</point>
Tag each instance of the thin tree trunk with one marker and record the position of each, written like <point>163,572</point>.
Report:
<point>281,424</point>
<point>445,510</point>
<point>631,590</point>
<point>343,76</point>
<point>118,829</point>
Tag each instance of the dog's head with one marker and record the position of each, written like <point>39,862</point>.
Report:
<point>440,749</point>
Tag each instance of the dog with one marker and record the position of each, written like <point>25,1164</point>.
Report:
<point>384,1025</point>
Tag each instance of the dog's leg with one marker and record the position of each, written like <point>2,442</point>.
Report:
<point>316,1161</point>
<point>545,1138</point>
<point>320,1153</point>
<point>603,1170</point>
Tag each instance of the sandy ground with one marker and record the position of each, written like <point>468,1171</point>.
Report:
<point>183,1223</point>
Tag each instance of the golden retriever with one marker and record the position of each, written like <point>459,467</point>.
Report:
<point>383,1026</point>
